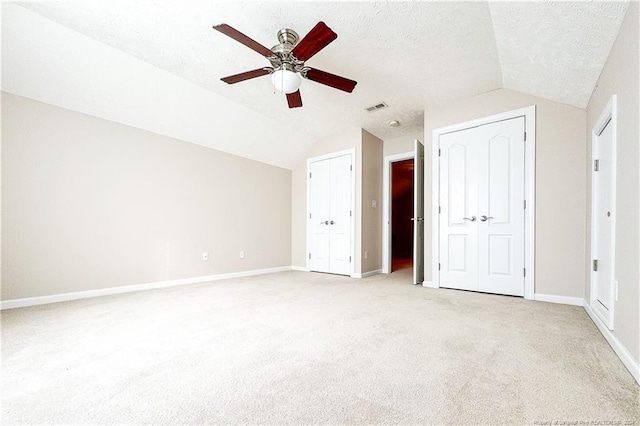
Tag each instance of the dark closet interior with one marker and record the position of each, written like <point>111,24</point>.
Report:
<point>401,214</point>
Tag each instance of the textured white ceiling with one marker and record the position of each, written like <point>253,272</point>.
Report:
<point>555,50</point>
<point>403,53</point>
<point>408,54</point>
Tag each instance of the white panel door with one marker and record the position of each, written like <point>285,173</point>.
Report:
<point>319,196</point>
<point>459,152</point>
<point>340,215</point>
<point>501,207</point>
<point>330,198</point>
<point>418,213</point>
<point>482,208</point>
<point>604,188</point>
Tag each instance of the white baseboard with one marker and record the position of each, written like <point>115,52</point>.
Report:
<point>564,300</point>
<point>367,274</point>
<point>299,268</point>
<point>429,284</point>
<point>64,297</point>
<point>632,365</point>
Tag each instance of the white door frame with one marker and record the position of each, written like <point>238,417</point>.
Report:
<point>351,152</point>
<point>386,211</point>
<point>608,116</point>
<point>529,114</point>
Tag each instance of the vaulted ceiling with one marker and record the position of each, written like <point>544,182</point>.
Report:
<point>407,54</point>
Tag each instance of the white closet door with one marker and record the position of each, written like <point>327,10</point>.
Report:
<point>330,198</point>
<point>482,208</point>
<point>459,210</point>
<point>501,207</point>
<point>319,188</point>
<point>604,189</point>
<point>339,215</point>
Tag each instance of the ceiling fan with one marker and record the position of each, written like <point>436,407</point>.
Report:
<point>288,61</point>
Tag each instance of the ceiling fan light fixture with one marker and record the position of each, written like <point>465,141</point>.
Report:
<point>286,81</point>
<point>288,59</point>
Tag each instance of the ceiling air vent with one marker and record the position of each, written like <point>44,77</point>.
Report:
<point>377,107</point>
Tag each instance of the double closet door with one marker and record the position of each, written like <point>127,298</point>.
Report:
<point>482,208</point>
<point>330,215</point>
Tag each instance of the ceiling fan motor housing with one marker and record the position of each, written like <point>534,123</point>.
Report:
<point>283,59</point>
<point>288,36</point>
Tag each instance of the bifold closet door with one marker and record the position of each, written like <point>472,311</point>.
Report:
<point>330,215</point>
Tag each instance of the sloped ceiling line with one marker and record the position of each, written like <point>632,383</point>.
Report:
<point>407,54</point>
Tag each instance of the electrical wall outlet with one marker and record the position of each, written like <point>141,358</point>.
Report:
<point>374,204</point>
<point>205,255</point>
<point>241,254</point>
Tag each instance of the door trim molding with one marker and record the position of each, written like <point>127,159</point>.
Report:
<point>352,152</point>
<point>608,116</point>
<point>386,210</point>
<point>529,114</point>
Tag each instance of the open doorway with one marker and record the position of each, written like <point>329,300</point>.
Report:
<point>402,199</point>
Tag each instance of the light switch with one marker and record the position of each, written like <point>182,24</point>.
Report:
<point>374,204</point>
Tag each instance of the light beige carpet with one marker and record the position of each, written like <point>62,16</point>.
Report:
<point>296,347</point>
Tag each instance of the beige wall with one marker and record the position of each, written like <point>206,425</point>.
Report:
<point>371,191</point>
<point>89,204</point>
<point>560,183</point>
<point>620,76</point>
<point>402,144</point>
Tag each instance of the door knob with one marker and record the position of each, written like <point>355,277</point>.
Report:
<point>332,223</point>
<point>472,218</point>
<point>326,222</point>
<point>418,219</point>
<point>485,218</point>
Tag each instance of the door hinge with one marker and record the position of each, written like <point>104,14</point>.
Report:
<point>595,265</point>
<point>438,266</point>
<point>525,136</point>
<point>439,152</point>
<point>309,175</point>
<point>349,259</point>
<point>309,215</point>
<point>524,272</point>
<point>596,165</point>
<point>439,209</point>
<point>525,204</point>
<point>350,213</point>
<point>309,255</point>
<point>350,167</point>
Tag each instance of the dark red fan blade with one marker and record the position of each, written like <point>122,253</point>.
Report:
<point>245,76</point>
<point>317,39</point>
<point>331,80</point>
<point>238,36</point>
<point>294,99</point>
